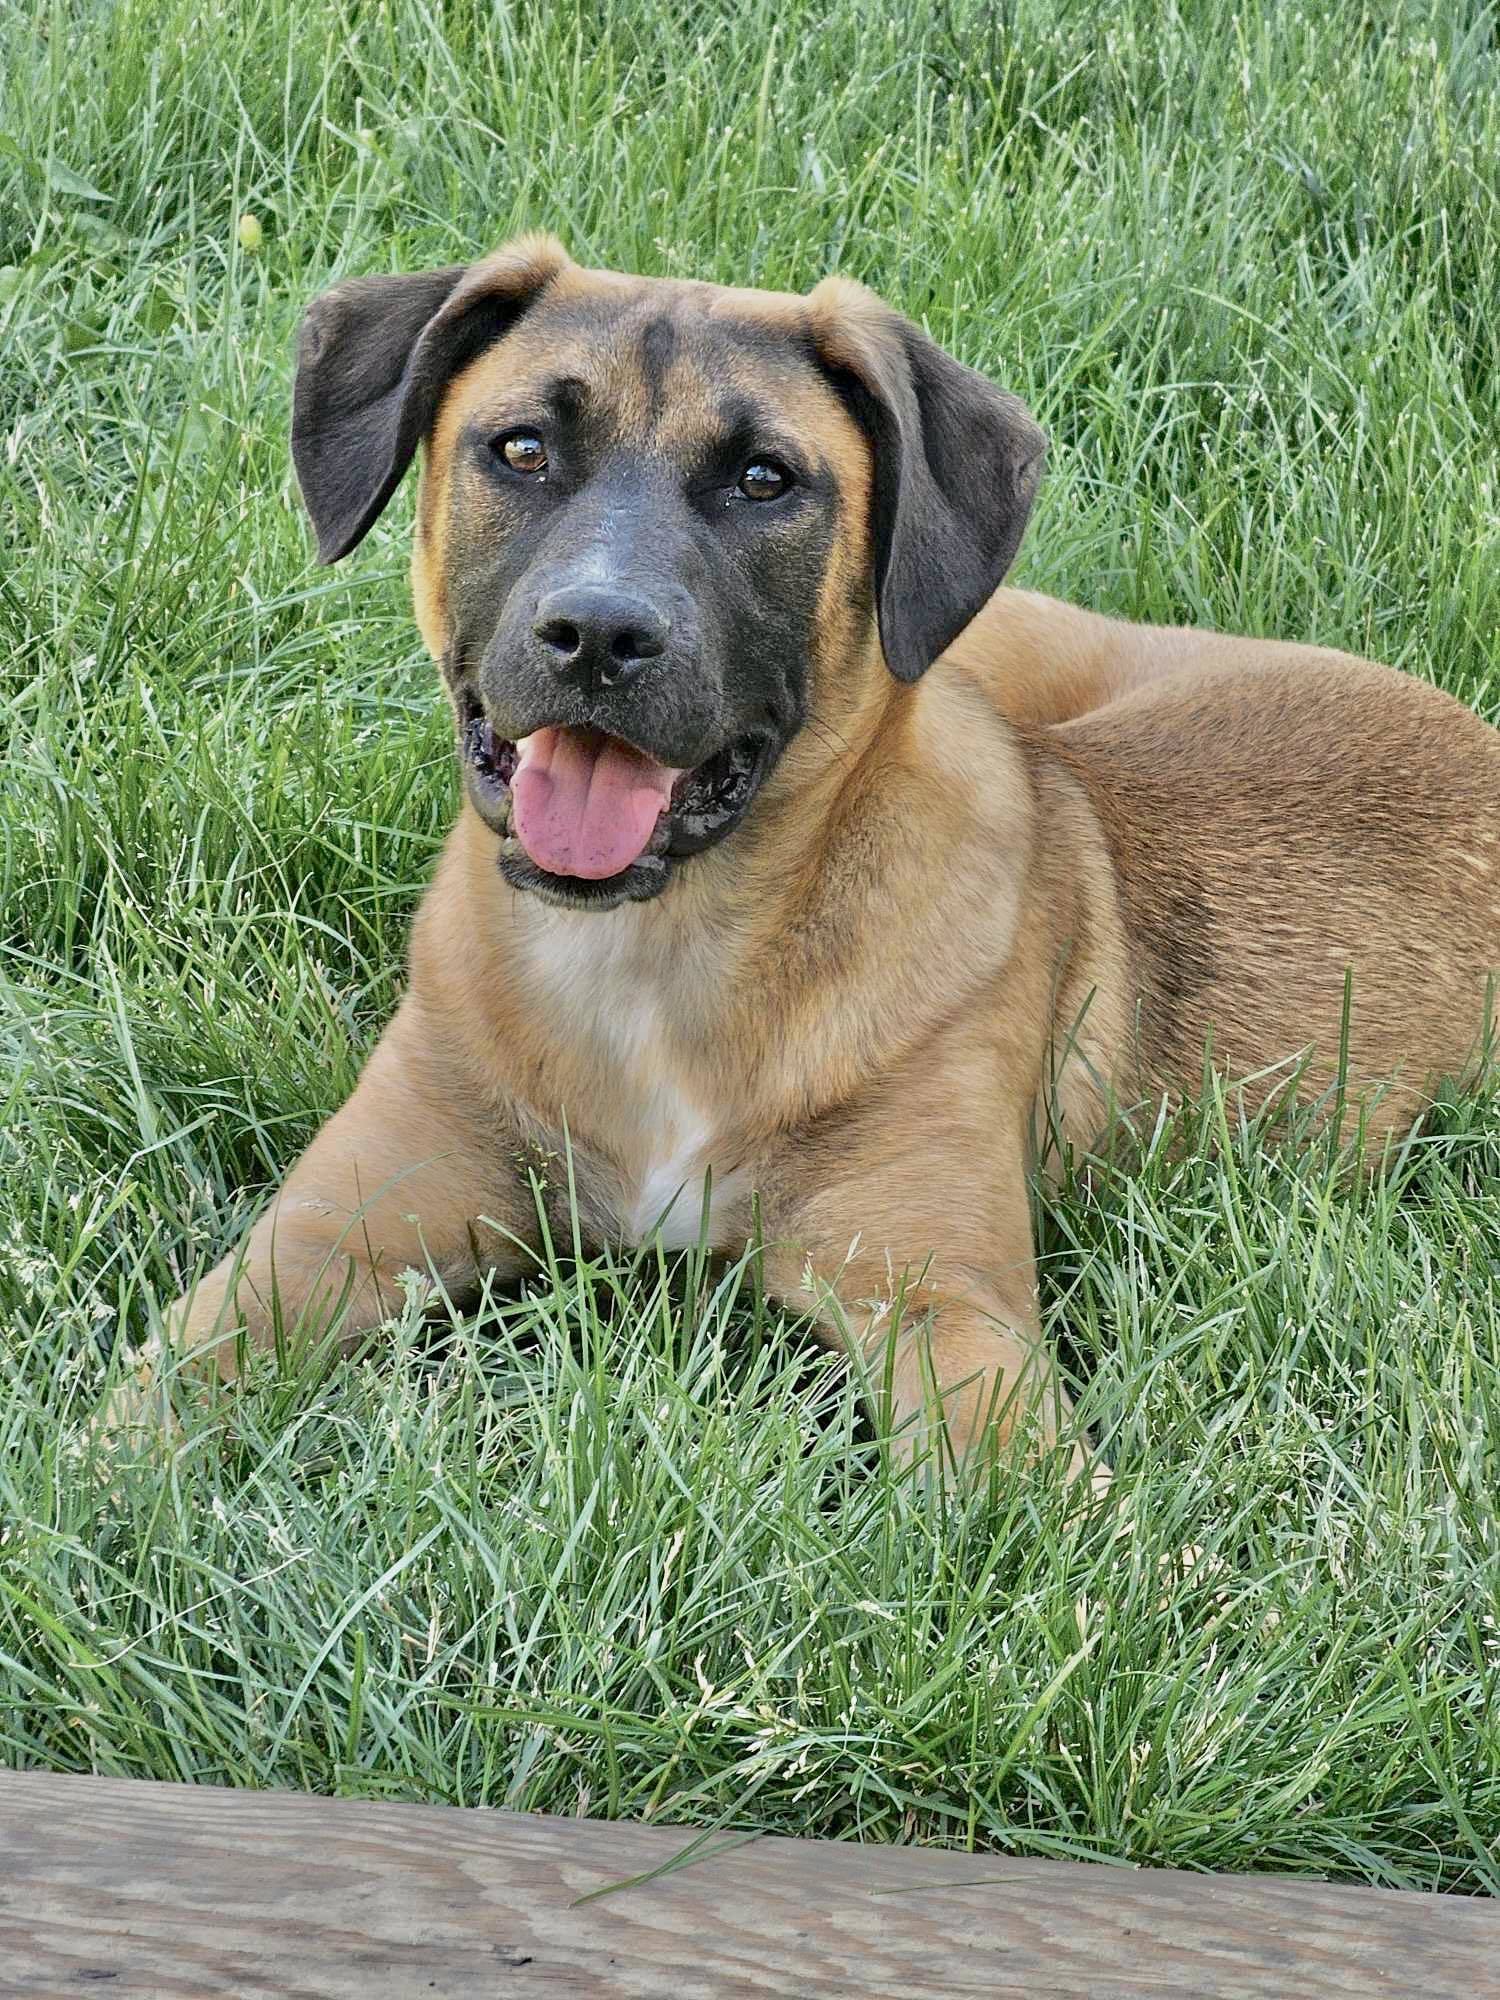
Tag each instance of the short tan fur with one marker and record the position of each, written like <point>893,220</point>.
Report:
<point>1027,889</point>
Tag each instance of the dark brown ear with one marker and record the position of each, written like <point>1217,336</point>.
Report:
<point>956,466</point>
<point>374,356</point>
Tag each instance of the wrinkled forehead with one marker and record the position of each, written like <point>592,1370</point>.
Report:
<point>669,367</point>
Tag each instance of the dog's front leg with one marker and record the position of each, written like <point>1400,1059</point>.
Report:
<point>922,1266</point>
<point>411,1174</point>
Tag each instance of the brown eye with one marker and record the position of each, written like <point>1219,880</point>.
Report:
<point>764,479</point>
<point>523,451</point>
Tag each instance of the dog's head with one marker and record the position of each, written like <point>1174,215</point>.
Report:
<point>663,526</point>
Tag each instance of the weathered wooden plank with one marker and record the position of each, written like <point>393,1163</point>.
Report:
<point>136,1889</point>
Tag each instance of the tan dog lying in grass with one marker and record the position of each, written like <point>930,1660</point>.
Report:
<point>795,867</point>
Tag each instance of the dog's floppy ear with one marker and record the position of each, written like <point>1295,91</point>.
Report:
<point>373,358</point>
<point>956,466</point>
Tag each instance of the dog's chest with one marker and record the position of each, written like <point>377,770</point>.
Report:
<point>604,994</point>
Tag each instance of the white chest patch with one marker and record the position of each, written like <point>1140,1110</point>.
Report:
<point>601,986</point>
<point>670,1188</point>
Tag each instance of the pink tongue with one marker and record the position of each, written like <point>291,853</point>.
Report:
<point>584,804</point>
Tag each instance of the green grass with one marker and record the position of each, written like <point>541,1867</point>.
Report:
<point>623,1545</point>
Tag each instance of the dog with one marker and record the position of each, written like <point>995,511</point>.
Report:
<point>805,877</point>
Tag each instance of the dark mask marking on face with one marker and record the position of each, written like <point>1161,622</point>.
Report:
<point>735,581</point>
<point>640,503</point>
<point>658,348</point>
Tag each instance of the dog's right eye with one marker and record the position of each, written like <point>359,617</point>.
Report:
<point>522,451</point>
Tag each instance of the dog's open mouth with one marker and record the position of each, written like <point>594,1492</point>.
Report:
<point>588,820</point>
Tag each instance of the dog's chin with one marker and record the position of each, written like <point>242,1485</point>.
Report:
<point>638,883</point>
<point>708,802</point>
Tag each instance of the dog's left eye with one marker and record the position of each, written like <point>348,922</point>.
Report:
<point>764,479</point>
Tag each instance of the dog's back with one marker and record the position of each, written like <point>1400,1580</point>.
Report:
<point>1045,662</point>
<point>1277,817</point>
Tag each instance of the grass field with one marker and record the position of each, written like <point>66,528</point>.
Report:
<point>623,1545</point>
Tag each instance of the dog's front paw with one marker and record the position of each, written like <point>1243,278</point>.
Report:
<point>957,1434</point>
<point>137,1414</point>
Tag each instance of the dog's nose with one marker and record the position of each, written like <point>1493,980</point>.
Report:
<point>597,633</point>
